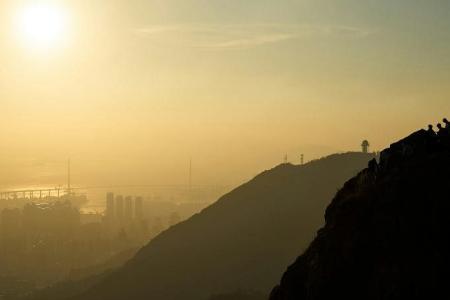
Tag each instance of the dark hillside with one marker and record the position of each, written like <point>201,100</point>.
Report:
<point>387,232</point>
<point>241,243</point>
<point>244,241</point>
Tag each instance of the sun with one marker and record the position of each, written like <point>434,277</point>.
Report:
<point>42,26</point>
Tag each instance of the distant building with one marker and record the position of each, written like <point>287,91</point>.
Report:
<point>10,223</point>
<point>139,208</point>
<point>90,218</point>
<point>119,207</point>
<point>58,219</point>
<point>365,146</point>
<point>110,208</point>
<point>128,208</point>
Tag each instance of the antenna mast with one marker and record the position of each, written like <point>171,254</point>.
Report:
<point>190,174</point>
<point>69,190</point>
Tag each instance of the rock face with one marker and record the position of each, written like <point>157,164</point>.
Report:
<point>242,242</point>
<point>387,232</point>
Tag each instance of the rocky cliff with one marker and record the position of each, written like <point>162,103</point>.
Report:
<point>387,232</point>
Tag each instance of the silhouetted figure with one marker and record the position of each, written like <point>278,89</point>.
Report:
<point>373,166</point>
<point>443,133</point>
<point>447,123</point>
<point>431,130</point>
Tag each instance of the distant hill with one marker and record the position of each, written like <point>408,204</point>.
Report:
<point>112,263</point>
<point>387,232</point>
<point>243,241</point>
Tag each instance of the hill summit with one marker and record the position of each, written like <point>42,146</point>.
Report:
<point>387,232</point>
<point>243,241</point>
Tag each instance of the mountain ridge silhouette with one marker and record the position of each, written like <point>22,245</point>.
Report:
<point>387,231</point>
<point>243,241</point>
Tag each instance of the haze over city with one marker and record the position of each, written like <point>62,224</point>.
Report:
<point>131,90</point>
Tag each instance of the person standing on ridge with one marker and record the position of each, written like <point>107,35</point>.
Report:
<point>443,132</point>
<point>447,123</point>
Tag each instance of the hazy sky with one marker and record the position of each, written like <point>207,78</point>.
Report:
<point>139,87</point>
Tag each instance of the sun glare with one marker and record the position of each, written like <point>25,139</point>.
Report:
<point>42,26</point>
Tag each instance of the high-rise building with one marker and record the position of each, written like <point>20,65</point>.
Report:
<point>119,208</point>
<point>128,209</point>
<point>139,208</point>
<point>110,211</point>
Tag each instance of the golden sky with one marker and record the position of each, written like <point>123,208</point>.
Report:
<point>132,89</point>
